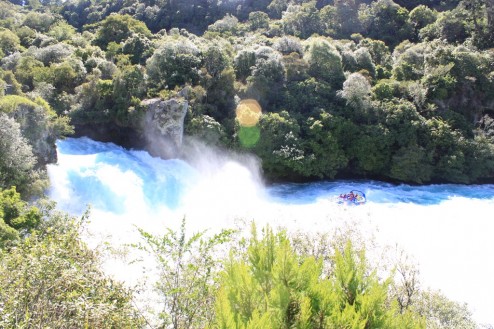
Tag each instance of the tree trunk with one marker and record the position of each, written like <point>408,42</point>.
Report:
<point>489,7</point>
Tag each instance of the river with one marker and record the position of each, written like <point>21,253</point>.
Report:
<point>448,230</point>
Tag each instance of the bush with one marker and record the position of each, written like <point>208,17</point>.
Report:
<point>16,157</point>
<point>17,218</point>
<point>270,286</point>
<point>51,279</point>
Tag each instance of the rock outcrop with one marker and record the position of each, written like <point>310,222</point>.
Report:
<point>157,127</point>
<point>163,125</point>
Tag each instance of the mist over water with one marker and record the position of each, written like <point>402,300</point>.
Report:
<point>448,229</point>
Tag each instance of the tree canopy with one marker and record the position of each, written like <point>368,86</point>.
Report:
<point>399,80</point>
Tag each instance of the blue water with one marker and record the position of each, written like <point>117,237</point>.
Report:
<point>379,192</point>
<point>161,182</point>
<point>165,182</point>
<point>448,227</point>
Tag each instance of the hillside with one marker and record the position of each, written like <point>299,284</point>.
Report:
<point>398,91</point>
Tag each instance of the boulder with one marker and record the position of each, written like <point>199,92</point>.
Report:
<point>163,125</point>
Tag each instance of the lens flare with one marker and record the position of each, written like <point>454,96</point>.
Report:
<point>248,113</point>
<point>249,136</point>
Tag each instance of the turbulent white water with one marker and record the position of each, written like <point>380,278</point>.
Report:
<point>448,229</point>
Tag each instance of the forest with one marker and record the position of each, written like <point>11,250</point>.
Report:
<point>400,91</point>
<point>378,89</point>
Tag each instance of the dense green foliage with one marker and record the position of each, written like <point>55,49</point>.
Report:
<point>384,89</point>
<point>28,131</point>
<point>270,286</point>
<point>16,156</point>
<point>301,280</point>
<point>17,218</point>
<point>50,278</point>
<point>187,270</point>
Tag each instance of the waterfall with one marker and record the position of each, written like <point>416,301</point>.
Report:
<point>448,229</point>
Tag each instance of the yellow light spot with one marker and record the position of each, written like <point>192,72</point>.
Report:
<point>248,112</point>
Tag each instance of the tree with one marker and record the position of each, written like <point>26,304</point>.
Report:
<point>378,50</point>
<point>258,20</point>
<point>326,157</point>
<point>490,14</point>
<point>369,149</point>
<point>406,126</point>
<point>386,89</point>
<point>309,95</point>
<point>410,63</point>
<point>215,60</point>
<point>347,18</point>
<point>413,164</point>
<point>26,36</point>
<point>388,22</point>
<point>51,278</point>
<point>12,86</point>
<point>176,62</point>
<point>128,90</point>
<point>441,312</point>
<point>26,69</point>
<point>9,42</point>
<point>450,26</point>
<point>440,82</point>
<point>449,152</point>
<point>324,62</point>
<point>117,28</point>
<point>243,62</point>
<point>62,31</point>
<point>328,18</point>
<point>218,80</point>
<point>228,25</point>
<point>244,9</point>
<point>480,16</point>
<point>206,129</point>
<point>279,145</point>
<point>364,62</point>
<point>301,20</point>
<point>17,218</point>
<point>435,4</point>
<point>38,124</point>
<point>41,22</point>
<point>187,272</point>
<point>411,157</point>
<point>64,77</point>
<point>295,67</point>
<point>138,47</point>
<point>16,157</point>
<point>420,17</point>
<point>267,78</point>
<point>56,53</point>
<point>288,45</point>
<point>270,286</point>
<point>356,91</point>
<point>106,69</point>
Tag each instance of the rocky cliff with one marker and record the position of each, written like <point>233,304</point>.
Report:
<point>156,126</point>
<point>163,125</point>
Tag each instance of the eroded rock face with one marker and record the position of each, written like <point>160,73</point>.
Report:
<point>164,125</point>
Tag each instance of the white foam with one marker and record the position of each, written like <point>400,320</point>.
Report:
<point>452,240</point>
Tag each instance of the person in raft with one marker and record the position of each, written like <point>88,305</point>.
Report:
<point>349,196</point>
